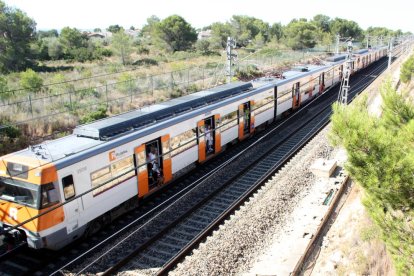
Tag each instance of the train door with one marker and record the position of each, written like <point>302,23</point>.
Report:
<point>71,208</point>
<point>142,170</point>
<point>208,136</point>
<point>246,119</point>
<point>321,82</point>
<point>296,95</point>
<point>154,158</point>
<point>341,70</point>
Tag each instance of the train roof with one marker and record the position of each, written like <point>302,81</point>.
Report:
<point>112,127</point>
<point>336,57</point>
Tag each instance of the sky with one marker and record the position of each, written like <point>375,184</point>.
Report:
<point>90,14</point>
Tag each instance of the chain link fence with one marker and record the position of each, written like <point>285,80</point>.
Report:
<point>25,106</point>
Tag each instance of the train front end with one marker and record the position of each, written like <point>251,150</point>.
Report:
<point>29,198</point>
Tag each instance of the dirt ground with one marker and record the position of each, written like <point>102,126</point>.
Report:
<point>352,245</point>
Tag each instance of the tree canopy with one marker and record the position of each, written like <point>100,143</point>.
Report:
<point>301,35</point>
<point>177,34</point>
<point>122,46</point>
<point>17,31</point>
<point>381,159</point>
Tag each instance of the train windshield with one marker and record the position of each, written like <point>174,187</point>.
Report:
<point>19,192</point>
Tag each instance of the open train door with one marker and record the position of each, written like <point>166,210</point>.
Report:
<point>142,171</point>
<point>166,158</point>
<point>296,95</point>
<point>246,119</point>
<point>321,83</point>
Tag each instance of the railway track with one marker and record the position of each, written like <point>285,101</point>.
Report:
<point>193,211</point>
<point>170,236</point>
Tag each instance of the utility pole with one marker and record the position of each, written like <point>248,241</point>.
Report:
<point>337,44</point>
<point>231,56</point>
<point>367,41</point>
<point>343,96</point>
<point>390,52</point>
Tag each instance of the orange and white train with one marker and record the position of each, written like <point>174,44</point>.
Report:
<point>89,177</point>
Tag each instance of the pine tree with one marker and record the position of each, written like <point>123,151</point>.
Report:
<point>381,159</point>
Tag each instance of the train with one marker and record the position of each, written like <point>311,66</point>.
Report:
<point>60,190</point>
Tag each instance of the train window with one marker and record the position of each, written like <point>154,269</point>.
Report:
<point>18,170</point>
<point>183,141</point>
<point>49,195</point>
<point>229,120</point>
<point>112,175</point>
<point>68,186</point>
<point>264,104</point>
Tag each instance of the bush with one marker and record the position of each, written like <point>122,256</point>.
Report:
<point>7,130</point>
<point>142,50</point>
<point>248,73</point>
<point>31,81</point>
<point>145,61</point>
<point>125,83</point>
<point>100,113</point>
<point>3,88</point>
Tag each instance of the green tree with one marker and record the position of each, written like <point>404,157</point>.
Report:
<point>49,33</point>
<point>71,39</point>
<point>55,49</point>
<point>346,28</point>
<point>114,28</point>
<point>246,28</point>
<point>300,35</point>
<point>276,31</point>
<point>381,159</point>
<point>176,33</point>
<point>17,32</point>
<point>219,34</point>
<point>31,81</point>
<point>203,46</point>
<point>323,22</point>
<point>122,46</point>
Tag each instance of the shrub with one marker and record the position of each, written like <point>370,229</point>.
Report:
<point>125,83</point>
<point>31,81</point>
<point>100,113</point>
<point>248,72</point>
<point>142,50</point>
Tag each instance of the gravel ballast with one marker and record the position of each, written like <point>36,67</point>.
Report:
<point>234,248</point>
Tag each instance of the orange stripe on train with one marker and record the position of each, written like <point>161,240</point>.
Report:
<point>12,214</point>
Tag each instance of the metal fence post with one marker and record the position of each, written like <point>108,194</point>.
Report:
<point>171,84</point>
<point>152,86</point>
<point>203,80</point>
<point>30,104</point>
<point>106,95</point>
<point>130,89</point>
<point>70,99</point>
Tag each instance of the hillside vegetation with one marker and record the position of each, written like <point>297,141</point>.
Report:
<point>381,159</point>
